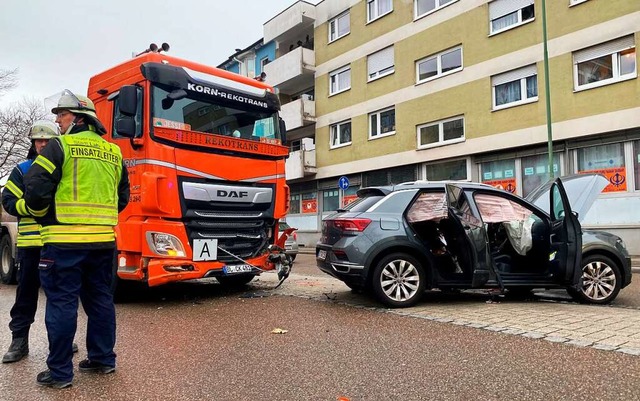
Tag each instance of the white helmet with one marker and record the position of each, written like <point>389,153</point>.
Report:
<point>43,129</point>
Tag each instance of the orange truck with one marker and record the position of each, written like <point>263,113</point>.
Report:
<point>205,151</point>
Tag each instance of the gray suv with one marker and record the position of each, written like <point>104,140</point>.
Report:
<point>398,241</point>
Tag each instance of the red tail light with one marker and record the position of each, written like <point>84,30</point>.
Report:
<point>295,236</point>
<point>351,224</point>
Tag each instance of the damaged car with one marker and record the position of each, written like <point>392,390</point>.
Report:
<point>398,241</point>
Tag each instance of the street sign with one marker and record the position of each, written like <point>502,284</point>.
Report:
<point>343,183</point>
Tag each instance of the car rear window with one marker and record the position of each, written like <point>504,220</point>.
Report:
<point>362,204</point>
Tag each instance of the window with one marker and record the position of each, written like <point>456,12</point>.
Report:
<point>340,80</point>
<point>388,176</point>
<point>604,64</point>
<point>382,123</point>
<point>507,14</point>
<point>340,134</point>
<point>607,160</point>
<point>263,62</point>
<point>349,195</point>
<point>453,170</point>
<point>636,162</point>
<point>424,7</point>
<point>309,203</point>
<point>295,204</point>
<point>380,63</point>
<point>441,132</point>
<point>515,87</point>
<point>574,2</point>
<point>445,63</point>
<point>339,26</point>
<point>535,171</point>
<point>500,174</point>
<point>378,8</point>
<point>330,200</point>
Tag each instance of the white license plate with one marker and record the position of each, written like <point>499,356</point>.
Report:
<point>231,269</point>
<point>205,249</point>
<point>322,254</point>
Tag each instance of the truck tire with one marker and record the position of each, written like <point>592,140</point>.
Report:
<point>8,271</point>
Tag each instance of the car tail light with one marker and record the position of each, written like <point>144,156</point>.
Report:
<point>351,224</point>
<point>295,236</point>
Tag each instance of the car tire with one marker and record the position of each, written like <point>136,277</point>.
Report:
<point>235,281</point>
<point>7,262</point>
<point>600,282</point>
<point>399,280</point>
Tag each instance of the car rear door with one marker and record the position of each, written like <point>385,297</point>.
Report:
<point>471,248</point>
<point>566,237</point>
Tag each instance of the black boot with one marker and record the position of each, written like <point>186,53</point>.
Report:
<point>18,349</point>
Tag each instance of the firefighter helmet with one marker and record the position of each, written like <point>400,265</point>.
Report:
<point>43,129</point>
<point>79,105</point>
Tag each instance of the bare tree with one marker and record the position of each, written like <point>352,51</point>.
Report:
<point>15,121</point>
<point>8,80</point>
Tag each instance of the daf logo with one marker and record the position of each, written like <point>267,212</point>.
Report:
<point>231,194</point>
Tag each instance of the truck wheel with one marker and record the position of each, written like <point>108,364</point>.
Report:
<point>7,263</point>
<point>235,281</point>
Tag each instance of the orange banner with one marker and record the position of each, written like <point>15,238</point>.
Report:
<point>617,177</point>
<point>310,206</point>
<point>508,184</point>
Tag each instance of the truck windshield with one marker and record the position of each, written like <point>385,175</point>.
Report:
<point>201,114</point>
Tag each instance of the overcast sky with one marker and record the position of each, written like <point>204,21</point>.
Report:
<point>60,44</point>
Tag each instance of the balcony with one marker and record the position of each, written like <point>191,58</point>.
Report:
<point>299,113</point>
<point>302,163</point>
<point>292,72</point>
<point>298,18</point>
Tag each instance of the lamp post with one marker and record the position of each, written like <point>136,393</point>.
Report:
<point>547,89</point>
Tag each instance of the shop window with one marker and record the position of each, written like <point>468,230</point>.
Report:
<point>453,170</point>
<point>339,26</point>
<point>340,134</point>
<point>340,80</point>
<point>605,64</point>
<point>439,65</point>
<point>295,204</point>
<point>500,174</point>
<point>330,200</point>
<point>535,171</point>
<point>309,203</point>
<point>441,132</point>
<point>607,160</point>
<point>382,123</point>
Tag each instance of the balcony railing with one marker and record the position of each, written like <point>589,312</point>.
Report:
<point>292,72</point>
<point>298,16</point>
<point>299,113</point>
<point>301,163</point>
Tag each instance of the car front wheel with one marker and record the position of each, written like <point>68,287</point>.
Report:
<point>399,280</point>
<point>601,281</point>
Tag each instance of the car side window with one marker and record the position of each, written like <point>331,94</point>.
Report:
<point>557,209</point>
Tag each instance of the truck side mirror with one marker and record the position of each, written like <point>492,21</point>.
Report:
<point>128,100</point>
<point>126,126</point>
<point>283,130</point>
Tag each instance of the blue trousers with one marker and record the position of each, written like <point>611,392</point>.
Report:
<point>67,274</point>
<point>24,309</point>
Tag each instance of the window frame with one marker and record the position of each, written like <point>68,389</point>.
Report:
<point>337,126</point>
<point>335,74</point>
<point>441,141</point>
<point>439,6</point>
<point>336,19</point>
<point>378,113</point>
<point>615,63</point>
<point>438,58</point>
<point>523,89</point>
<point>513,26</point>
<point>376,2</point>
<point>387,71</point>
<point>576,2</point>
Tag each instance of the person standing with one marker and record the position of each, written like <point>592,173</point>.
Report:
<point>29,244</point>
<point>75,188</point>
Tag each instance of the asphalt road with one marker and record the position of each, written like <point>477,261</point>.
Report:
<point>201,342</point>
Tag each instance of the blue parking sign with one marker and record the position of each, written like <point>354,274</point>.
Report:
<point>343,183</point>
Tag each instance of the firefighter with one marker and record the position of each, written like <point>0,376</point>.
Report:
<point>75,189</point>
<point>29,244</point>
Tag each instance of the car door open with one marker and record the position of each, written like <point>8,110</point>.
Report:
<point>566,238</point>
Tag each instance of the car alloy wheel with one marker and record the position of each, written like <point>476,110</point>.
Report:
<point>399,280</point>
<point>601,280</point>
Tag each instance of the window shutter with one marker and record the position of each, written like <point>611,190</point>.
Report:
<point>603,49</point>
<point>514,75</point>
<point>380,60</point>
<point>498,8</point>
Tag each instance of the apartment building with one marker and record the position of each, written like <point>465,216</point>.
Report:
<point>386,91</point>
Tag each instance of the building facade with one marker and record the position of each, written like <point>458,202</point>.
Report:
<point>455,89</point>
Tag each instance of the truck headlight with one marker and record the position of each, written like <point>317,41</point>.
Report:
<point>165,244</point>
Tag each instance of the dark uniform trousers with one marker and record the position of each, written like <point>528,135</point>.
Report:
<point>67,274</point>
<point>23,311</point>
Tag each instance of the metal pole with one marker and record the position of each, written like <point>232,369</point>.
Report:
<point>547,89</point>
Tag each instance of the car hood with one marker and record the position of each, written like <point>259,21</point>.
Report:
<point>582,190</point>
